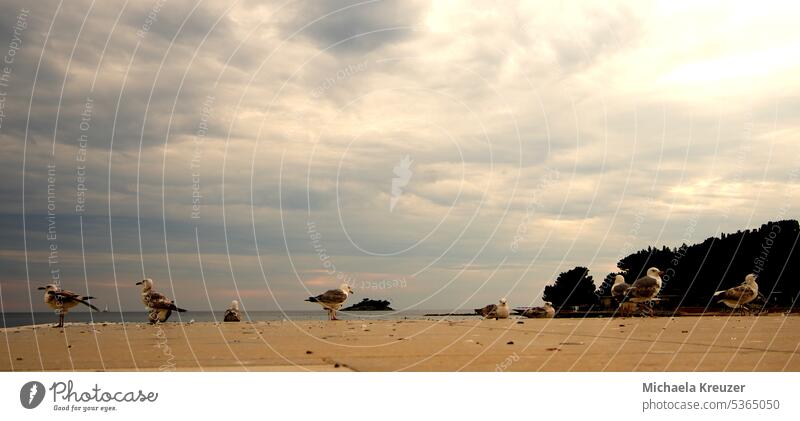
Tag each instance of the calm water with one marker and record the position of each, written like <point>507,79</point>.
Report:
<point>23,319</point>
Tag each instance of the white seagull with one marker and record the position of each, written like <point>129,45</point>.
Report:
<point>546,312</point>
<point>232,314</point>
<point>62,300</point>
<point>738,296</point>
<point>498,311</point>
<point>502,309</point>
<point>158,305</point>
<point>332,300</point>
<point>646,288</point>
<point>620,288</point>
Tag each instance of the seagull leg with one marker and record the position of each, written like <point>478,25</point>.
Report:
<point>333,313</point>
<point>60,320</point>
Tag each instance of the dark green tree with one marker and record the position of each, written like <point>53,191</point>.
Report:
<point>574,287</point>
<point>695,272</point>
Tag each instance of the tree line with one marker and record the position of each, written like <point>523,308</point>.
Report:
<point>694,272</point>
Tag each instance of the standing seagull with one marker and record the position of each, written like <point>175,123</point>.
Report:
<point>738,297</point>
<point>62,300</point>
<point>646,288</point>
<point>232,314</point>
<point>620,288</point>
<point>546,312</point>
<point>158,305</point>
<point>332,300</point>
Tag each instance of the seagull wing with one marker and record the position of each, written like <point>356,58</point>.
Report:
<point>65,296</point>
<point>535,312</point>
<point>334,296</point>
<point>618,291</point>
<point>644,287</point>
<point>487,311</point>
<point>158,301</point>
<point>742,293</point>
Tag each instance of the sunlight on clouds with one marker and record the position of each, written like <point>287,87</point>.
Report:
<point>729,74</point>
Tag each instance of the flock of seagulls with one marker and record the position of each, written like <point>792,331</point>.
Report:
<point>645,290</point>
<point>642,292</point>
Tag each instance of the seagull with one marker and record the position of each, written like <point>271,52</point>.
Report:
<point>160,307</point>
<point>738,296</point>
<point>546,312</point>
<point>232,314</point>
<point>499,311</point>
<point>502,310</point>
<point>332,299</point>
<point>62,300</point>
<point>620,288</point>
<point>646,288</point>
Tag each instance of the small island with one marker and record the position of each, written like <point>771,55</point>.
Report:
<point>370,305</point>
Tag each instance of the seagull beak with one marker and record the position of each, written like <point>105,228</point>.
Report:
<point>41,288</point>
<point>139,283</point>
<point>661,273</point>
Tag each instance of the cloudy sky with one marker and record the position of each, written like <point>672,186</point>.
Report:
<point>436,154</point>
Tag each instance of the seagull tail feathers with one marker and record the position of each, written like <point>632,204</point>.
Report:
<point>311,300</point>
<point>88,304</point>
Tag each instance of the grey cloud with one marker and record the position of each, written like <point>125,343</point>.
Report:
<point>496,63</point>
<point>356,18</point>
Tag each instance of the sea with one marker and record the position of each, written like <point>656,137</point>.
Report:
<point>11,319</point>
